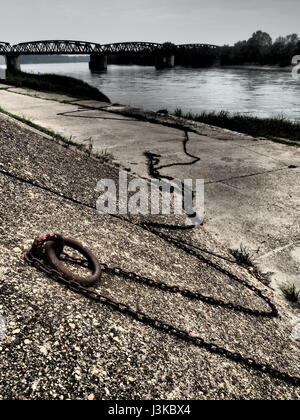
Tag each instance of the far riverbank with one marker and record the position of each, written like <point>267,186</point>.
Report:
<point>287,69</point>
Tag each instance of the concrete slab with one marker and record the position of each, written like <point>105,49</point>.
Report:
<point>261,212</point>
<point>277,151</point>
<point>219,160</point>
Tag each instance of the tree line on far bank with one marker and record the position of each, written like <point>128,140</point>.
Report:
<point>261,49</point>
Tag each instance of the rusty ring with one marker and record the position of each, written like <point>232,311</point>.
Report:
<point>37,249</point>
<point>53,257</point>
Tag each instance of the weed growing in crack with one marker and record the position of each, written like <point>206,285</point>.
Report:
<point>244,256</point>
<point>291,293</point>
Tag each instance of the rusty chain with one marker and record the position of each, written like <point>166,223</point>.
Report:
<point>145,319</point>
<point>76,287</point>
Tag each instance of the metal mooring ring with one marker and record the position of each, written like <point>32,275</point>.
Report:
<point>52,255</point>
<point>38,247</point>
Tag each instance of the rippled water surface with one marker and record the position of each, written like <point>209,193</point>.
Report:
<point>258,92</point>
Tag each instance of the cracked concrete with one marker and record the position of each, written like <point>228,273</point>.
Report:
<point>252,193</point>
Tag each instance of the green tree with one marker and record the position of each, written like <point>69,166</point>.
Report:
<point>258,47</point>
<point>283,49</point>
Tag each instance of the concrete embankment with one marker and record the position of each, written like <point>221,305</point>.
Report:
<point>252,194</point>
<point>59,345</point>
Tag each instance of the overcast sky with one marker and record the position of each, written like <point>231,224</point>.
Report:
<point>180,21</point>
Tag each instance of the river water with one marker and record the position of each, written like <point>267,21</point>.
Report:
<point>258,92</point>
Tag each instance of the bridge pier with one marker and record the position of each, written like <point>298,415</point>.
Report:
<point>98,62</point>
<point>12,63</point>
<point>165,62</point>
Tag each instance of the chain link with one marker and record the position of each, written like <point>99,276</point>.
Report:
<point>182,291</point>
<point>163,326</point>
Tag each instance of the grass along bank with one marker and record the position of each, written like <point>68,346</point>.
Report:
<point>277,128</point>
<point>56,84</point>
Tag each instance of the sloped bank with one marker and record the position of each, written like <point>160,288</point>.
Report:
<point>56,84</point>
<point>59,345</point>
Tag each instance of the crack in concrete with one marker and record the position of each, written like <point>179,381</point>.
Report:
<point>71,114</point>
<point>246,176</point>
<point>232,186</point>
<point>262,154</point>
<point>286,207</point>
<point>34,96</point>
<point>277,250</point>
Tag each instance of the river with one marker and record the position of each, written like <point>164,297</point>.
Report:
<point>258,92</point>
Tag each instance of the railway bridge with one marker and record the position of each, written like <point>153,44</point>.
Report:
<point>163,55</point>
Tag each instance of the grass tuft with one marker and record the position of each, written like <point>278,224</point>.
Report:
<point>105,157</point>
<point>244,256</point>
<point>291,293</point>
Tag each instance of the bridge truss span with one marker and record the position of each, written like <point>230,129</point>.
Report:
<point>83,48</point>
<point>131,48</point>
<point>189,47</point>
<point>4,47</point>
<point>56,47</point>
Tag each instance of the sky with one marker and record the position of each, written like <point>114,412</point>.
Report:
<point>180,21</point>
